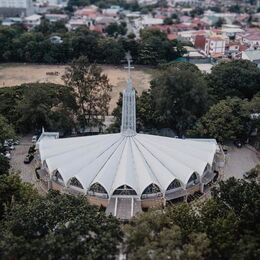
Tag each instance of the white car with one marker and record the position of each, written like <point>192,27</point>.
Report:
<point>11,147</point>
<point>34,139</point>
<point>8,155</point>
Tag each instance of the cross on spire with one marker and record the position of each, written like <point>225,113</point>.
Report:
<point>129,67</point>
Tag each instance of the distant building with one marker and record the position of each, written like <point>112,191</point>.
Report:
<point>251,38</point>
<point>147,2</point>
<point>252,55</point>
<point>215,46</point>
<point>11,8</point>
<point>12,21</point>
<point>149,21</point>
<point>114,10</point>
<point>32,21</point>
<point>184,2</point>
<point>76,22</point>
<point>56,17</point>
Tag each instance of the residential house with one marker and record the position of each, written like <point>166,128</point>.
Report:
<point>32,21</point>
<point>252,55</point>
<point>215,46</point>
<point>56,17</point>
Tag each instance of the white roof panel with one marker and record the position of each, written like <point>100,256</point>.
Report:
<point>137,161</point>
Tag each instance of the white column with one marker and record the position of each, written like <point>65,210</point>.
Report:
<point>132,207</point>
<point>115,210</point>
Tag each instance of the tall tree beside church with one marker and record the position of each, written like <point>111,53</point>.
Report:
<point>180,95</point>
<point>92,91</point>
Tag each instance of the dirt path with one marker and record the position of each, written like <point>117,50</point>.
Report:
<point>16,74</point>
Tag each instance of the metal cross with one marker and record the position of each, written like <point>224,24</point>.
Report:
<point>129,67</point>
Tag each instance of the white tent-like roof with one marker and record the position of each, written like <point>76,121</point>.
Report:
<point>137,161</point>
<point>127,159</point>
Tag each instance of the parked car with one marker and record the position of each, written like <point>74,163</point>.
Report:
<point>225,149</point>
<point>7,155</point>
<point>28,158</point>
<point>238,143</point>
<point>16,142</point>
<point>34,139</point>
<point>11,147</point>
<point>32,149</point>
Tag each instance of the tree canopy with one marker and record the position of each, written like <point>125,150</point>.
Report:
<point>180,96</point>
<point>224,227</point>
<point>91,89</point>
<point>6,130</point>
<point>35,46</point>
<point>4,165</point>
<point>33,106</point>
<point>58,226</point>
<point>226,120</point>
<point>237,78</point>
<point>12,191</point>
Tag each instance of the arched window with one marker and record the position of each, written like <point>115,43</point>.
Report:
<point>174,184</point>
<point>207,168</point>
<point>98,188</point>
<point>57,177</point>
<point>152,188</point>
<point>194,179</point>
<point>124,190</point>
<point>44,164</point>
<point>75,182</point>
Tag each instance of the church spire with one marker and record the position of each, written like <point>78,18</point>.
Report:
<point>128,123</point>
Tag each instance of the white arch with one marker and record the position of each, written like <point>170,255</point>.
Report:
<point>175,180</point>
<point>98,183</point>
<point>123,190</point>
<point>78,182</point>
<point>192,180</point>
<point>151,184</point>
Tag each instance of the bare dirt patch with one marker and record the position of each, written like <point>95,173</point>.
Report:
<point>17,74</point>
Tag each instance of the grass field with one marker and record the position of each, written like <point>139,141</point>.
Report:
<point>16,74</point>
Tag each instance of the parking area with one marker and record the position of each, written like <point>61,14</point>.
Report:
<point>239,161</point>
<point>27,171</point>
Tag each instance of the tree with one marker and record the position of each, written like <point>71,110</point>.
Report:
<point>6,130</point>
<point>12,190</point>
<point>223,227</point>
<point>180,95</point>
<point>59,226</point>
<point>237,78</point>
<point>31,106</point>
<point>168,21</point>
<point>91,89</point>
<point>47,27</point>
<point>115,29</point>
<point>254,174</point>
<point>226,120</point>
<point>4,165</point>
<point>234,9</point>
<point>45,105</point>
<point>112,51</point>
<point>155,48</point>
<point>169,234</point>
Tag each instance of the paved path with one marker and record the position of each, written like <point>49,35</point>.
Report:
<point>239,161</point>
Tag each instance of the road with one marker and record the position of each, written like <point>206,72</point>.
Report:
<point>239,161</point>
